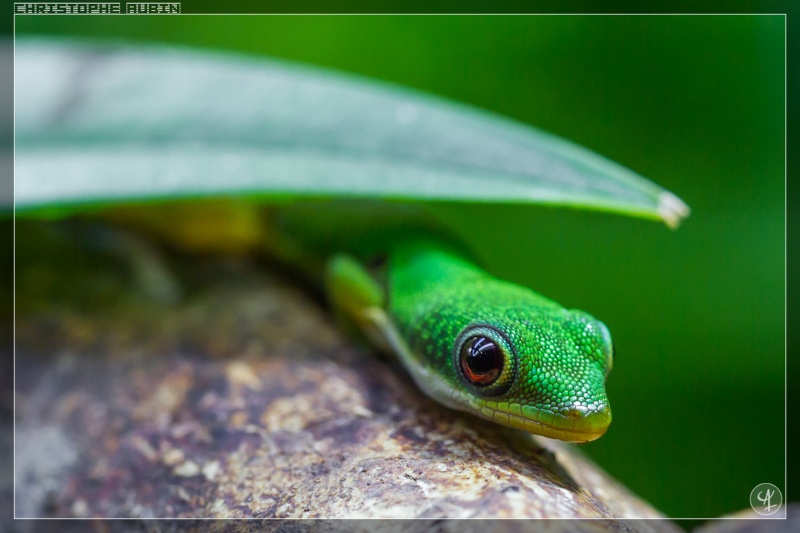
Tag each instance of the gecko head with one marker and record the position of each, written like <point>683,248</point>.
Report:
<point>544,374</point>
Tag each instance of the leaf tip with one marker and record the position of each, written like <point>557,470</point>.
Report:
<point>672,209</point>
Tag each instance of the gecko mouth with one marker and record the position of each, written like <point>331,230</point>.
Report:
<point>577,428</point>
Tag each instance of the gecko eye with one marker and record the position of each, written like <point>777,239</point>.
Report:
<point>481,361</point>
<point>485,360</point>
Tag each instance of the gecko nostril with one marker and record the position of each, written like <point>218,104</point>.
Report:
<point>573,414</point>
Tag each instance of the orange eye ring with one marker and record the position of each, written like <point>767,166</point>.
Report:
<point>481,360</point>
<point>485,360</point>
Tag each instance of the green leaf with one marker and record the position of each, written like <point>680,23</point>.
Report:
<point>102,124</point>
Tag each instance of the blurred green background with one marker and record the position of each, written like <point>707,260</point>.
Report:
<point>695,104</point>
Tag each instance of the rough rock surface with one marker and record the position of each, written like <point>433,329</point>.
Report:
<point>237,397</point>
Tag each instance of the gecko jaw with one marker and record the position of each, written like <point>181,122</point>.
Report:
<point>595,424</point>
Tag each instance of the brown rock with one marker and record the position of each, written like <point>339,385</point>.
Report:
<point>243,400</point>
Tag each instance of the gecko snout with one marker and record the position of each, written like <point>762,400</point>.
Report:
<point>581,419</point>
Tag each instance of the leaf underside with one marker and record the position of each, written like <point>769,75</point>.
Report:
<point>102,124</point>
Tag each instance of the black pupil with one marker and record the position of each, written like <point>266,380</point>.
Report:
<point>482,359</point>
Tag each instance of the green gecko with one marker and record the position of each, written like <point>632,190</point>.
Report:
<point>482,345</point>
<point>471,341</point>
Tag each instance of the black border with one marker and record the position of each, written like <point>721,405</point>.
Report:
<point>788,7</point>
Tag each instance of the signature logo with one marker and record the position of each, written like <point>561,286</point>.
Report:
<point>766,499</point>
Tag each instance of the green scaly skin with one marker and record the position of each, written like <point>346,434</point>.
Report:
<point>556,360</point>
